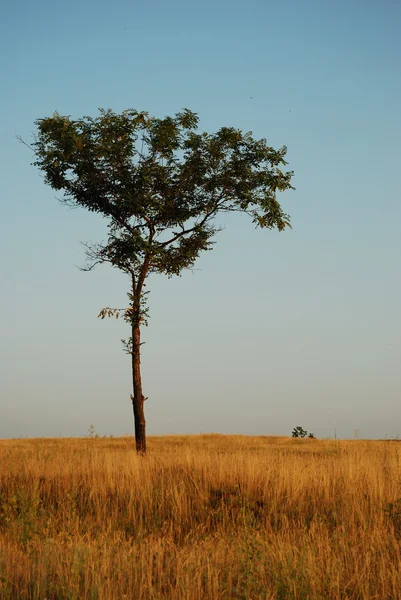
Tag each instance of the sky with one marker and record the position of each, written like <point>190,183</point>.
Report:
<point>273,330</point>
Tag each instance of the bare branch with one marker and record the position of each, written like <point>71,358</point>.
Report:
<point>95,254</point>
<point>68,202</point>
<point>19,138</point>
<point>91,266</point>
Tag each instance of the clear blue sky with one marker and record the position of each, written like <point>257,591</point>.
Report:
<point>274,330</point>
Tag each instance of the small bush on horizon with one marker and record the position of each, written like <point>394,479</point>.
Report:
<point>300,432</point>
<point>92,433</point>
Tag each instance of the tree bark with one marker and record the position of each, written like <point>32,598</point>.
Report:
<point>138,397</point>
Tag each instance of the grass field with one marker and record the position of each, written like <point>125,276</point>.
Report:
<point>201,517</point>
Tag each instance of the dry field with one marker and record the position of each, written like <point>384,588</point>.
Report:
<point>201,517</point>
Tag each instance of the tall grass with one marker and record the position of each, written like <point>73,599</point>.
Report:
<point>200,517</point>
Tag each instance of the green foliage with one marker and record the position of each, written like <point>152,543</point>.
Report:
<point>300,432</point>
<point>159,182</point>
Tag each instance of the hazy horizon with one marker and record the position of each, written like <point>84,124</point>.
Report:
<point>273,330</point>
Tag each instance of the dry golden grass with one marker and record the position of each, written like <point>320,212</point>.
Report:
<point>200,517</point>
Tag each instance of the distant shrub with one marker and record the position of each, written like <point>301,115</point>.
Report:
<point>92,433</point>
<point>300,432</point>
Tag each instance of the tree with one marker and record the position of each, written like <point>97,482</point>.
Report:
<point>160,183</point>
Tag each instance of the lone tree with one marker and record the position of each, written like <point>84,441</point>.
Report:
<point>161,184</point>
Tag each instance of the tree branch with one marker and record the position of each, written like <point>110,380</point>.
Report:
<point>19,138</point>
<point>196,226</point>
<point>95,254</point>
<point>150,224</point>
<point>92,266</point>
<point>145,267</point>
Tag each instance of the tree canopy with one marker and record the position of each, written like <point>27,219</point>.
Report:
<point>160,182</point>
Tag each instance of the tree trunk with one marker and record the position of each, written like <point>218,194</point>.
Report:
<point>138,398</point>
